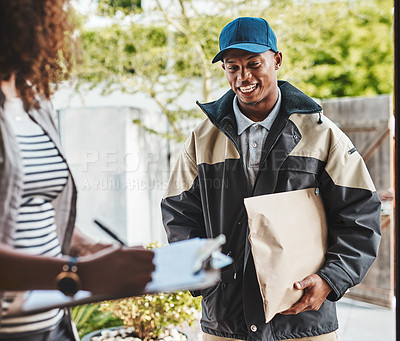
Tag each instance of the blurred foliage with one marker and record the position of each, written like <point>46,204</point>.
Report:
<point>330,49</point>
<point>340,48</point>
<point>111,7</point>
<point>152,315</point>
<point>89,318</point>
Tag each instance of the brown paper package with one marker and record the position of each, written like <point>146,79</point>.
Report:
<point>288,236</point>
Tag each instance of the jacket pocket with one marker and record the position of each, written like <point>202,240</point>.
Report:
<point>299,173</point>
<point>223,303</point>
<point>205,293</point>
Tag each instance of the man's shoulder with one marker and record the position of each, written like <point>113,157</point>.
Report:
<point>317,122</point>
<point>205,129</point>
<point>204,135</point>
<point>319,136</point>
<point>207,144</point>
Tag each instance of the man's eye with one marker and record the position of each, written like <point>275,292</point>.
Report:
<point>232,68</point>
<point>255,64</point>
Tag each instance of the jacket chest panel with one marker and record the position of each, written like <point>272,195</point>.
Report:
<point>276,151</point>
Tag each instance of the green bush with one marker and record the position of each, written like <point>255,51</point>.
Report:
<point>152,315</point>
<point>149,315</point>
<point>89,318</point>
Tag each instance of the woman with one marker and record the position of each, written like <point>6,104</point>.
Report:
<point>37,192</point>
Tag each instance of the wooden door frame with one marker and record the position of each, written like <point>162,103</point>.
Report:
<point>397,156</point>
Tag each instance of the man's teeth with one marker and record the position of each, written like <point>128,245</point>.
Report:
<point>248,88</point>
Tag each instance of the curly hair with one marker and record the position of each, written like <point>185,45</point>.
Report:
<point>34,36</point>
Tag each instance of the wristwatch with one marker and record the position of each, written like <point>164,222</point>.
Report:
<point>68,281</point>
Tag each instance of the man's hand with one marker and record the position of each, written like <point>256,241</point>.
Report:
<point>316,291</point>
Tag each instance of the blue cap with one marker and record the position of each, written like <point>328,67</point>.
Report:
<point>246,33</point>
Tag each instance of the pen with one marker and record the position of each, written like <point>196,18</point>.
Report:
<point>109,232</point>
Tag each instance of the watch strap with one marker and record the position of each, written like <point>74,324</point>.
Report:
<point>71,266</point>
<point>68,281</point>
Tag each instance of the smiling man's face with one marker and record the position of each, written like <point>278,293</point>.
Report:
<point>252,76</point>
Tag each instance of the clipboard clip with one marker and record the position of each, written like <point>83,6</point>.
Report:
<point>210,257</point>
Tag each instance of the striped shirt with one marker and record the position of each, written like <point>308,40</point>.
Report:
<point>45,175</point>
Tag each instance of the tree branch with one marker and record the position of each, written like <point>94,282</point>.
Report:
<point>168,19</point>
<point>170,117</point>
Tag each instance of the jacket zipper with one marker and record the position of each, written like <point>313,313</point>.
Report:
<point>223,296</point>
<point>234,265</point>
<point>244,173</point>
<point>271,145</point>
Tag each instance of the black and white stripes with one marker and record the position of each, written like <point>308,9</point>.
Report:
<point>44,170</point>
<point>36,230</point>
<point>45,174</point>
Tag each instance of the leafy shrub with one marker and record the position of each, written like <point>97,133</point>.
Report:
<point>152,315</point>
<point>89,318</point>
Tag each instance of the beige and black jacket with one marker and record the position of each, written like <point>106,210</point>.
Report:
<point>302,150</point>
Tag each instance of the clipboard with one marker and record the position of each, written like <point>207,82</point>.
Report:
<point>185,265</point>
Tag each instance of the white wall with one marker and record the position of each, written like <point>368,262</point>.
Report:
<point>121,171</point>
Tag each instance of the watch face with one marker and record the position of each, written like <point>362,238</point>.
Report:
<point>68,283</point>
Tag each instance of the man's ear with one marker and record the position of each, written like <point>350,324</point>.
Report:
<point>278,60</point>
<point>223,65</point>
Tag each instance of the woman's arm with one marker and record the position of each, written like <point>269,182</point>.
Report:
<point>111,270</point>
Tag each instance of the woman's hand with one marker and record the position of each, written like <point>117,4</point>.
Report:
<point>116,270</point>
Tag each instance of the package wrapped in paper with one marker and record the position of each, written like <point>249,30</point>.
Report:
<point>288,236</point>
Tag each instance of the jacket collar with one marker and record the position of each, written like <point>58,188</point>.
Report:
<point>293,101</point>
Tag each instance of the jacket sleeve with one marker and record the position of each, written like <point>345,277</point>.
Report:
<point>181,206</point>
<point>353,213</point>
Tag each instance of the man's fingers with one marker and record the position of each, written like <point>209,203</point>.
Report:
<point>304,304</point>
<point>305,283</point>
<point>315,292</point>
<point>297,308</point>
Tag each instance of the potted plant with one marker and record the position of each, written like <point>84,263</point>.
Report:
<point>149,317</point>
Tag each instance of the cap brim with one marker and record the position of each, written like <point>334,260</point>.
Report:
<point>250,47</point>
